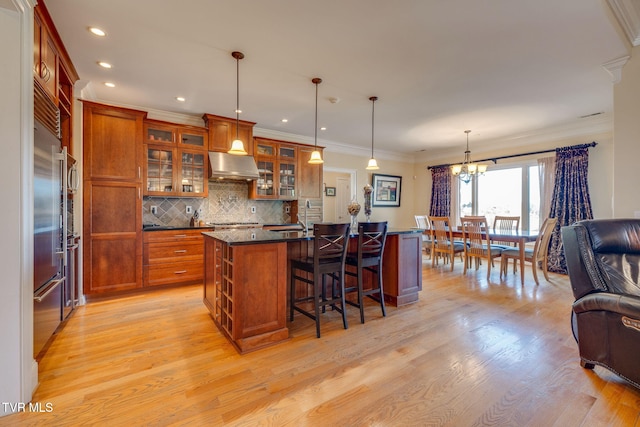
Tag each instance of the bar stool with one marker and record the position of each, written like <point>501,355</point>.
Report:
<point>371,240</point>
<point>330,243</point>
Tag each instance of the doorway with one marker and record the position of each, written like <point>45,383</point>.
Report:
<point>344,182</point>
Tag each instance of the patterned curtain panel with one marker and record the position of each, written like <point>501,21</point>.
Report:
<point>571,201</point>
<point>440,191</point>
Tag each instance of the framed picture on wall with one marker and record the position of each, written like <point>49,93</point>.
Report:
<point>331,191</point>
<point>386,190</point>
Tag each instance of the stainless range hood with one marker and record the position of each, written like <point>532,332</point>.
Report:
<point>229,166</point>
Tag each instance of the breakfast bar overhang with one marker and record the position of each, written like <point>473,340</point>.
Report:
<point>246,279</point>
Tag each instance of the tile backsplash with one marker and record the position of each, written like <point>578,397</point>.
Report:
<point>227,202</point>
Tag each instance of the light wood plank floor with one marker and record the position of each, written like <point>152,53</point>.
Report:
<point>469,353</point>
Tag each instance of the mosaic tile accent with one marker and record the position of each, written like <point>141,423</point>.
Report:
<point>227,202</point>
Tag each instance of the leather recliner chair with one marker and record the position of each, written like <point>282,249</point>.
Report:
<point>603,260</point>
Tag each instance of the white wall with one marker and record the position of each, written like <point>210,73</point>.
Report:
<point>16,227</point>
<point>397,217</point>
<point>626,130</point>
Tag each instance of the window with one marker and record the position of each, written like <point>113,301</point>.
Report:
<point>509,190</point>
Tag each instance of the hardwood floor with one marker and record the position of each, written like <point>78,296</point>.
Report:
<point>469,353</point>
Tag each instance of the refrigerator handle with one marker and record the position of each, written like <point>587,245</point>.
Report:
<point>42,294</point>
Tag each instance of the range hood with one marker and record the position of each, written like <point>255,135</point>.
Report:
<point>229,166</point>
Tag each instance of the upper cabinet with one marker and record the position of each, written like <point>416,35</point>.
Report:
<point>277,163</point>
<point>53,70</point>
<point>310,176</point>
<point>45,56</point>
<point>222,132</point>
<point>176,160</point>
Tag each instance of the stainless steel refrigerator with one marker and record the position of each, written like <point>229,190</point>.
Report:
<point>49,234</point>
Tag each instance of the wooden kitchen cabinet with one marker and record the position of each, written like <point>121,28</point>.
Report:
<point>53,72</point>
<point>173,256</point>
<point>176,160</point>
<point>249,308</point>
<point>222,132</point>
<point>310,176</point>
<point>112,198</point>
<point>45,56</point>
<point>278,168</point>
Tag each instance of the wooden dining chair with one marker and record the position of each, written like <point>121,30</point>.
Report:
<point>422,222</point>
<point>506,224</point>
<point>442,242</point>
<point>539,253</point>
<point>477,243</point>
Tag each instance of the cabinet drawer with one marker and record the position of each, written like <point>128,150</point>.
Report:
<point>165,274</point>
<point>166,252</point>
<point>194,234</point>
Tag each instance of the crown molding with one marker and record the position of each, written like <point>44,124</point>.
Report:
<point>615,68</point>
<point>627,13</point>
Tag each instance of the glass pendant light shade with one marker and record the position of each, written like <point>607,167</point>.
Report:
<point>316,157</point>
<point>373,165</point>
<point>237,146</point>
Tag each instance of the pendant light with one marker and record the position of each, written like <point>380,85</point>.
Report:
<point>237,146</point>
<point>373,165</point>
<point>316,158</point>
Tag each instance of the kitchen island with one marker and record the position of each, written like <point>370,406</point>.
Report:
<point>247,274</point>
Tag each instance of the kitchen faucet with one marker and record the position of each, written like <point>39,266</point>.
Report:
<point>307,205</point>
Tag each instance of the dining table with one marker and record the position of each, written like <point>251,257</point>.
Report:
<point>520,237</point>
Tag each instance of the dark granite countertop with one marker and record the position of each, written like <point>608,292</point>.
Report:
<point>257,236</point>
<point>170,227</point>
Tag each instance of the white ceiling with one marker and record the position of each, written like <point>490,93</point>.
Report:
<point>502,68</point>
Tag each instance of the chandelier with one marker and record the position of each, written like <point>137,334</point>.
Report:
<point>467,169</point>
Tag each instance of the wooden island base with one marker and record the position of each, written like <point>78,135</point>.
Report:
<point>247,274</point>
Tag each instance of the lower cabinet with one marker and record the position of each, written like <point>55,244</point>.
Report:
<point>173,257</point>
<point>245,292</point>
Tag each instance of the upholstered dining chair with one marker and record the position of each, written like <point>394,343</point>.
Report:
<point>477,243</point>
<point>442,240</point>
<point>535,255</point>
<point>367,259</point>
<point>330,242</point>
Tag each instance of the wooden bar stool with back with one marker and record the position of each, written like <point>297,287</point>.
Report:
<point>368,258</point>
<point>329,254</point>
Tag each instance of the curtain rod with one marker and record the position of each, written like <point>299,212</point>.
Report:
<point>495,159</point>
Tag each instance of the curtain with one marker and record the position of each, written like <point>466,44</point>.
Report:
<point>440,191</point>
<point>570,201</point>
<point>546,175</point>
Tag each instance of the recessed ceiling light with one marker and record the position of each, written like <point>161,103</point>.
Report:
<point>323,128</point>
<point>109,84</point>
<point>285,120</point>
<point>97,31</point>
<point>104,64</point>
<point>180,99</point>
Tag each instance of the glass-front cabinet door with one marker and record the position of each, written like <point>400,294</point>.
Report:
<point>265,183</point>
<point>159,171</point>
<point>287,174</point>
<point>192,176</point>
<point>176,160</point>
<point>193,139</point>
